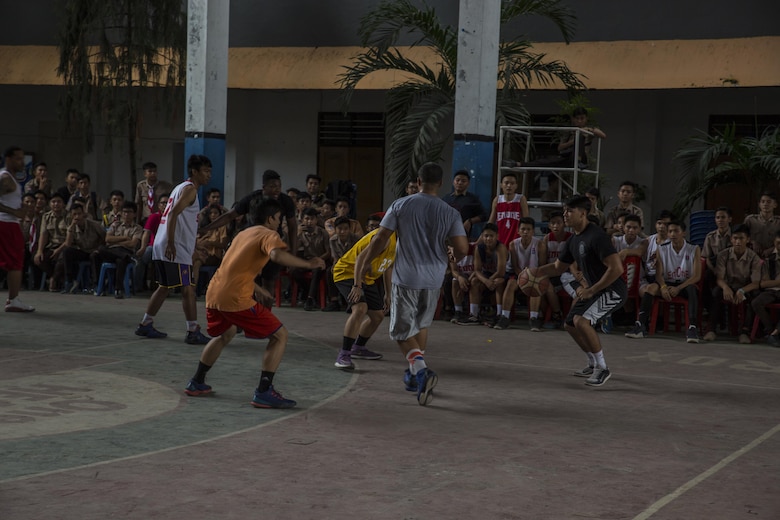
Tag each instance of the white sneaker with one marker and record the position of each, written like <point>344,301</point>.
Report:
<point>16,306</point>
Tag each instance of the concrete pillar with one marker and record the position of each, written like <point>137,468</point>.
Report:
<point>475,95</point>
<point>207,69</point>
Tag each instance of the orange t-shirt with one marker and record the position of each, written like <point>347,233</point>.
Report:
<point>233,285</point>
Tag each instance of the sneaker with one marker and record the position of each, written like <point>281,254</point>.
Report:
<point>599,377</point>
<point>710,336</point>
<point>196,337</point>
<point>470,320</point>
<point>344,361</point>
<point>271,399</point>
<point>744,339</point>
<point>332,306</point>
<point>638,332</point>
<point>692,336</point>
<point>426,380</point>
<point>536,324</point>
<point>119,295</point>
<point>410,382</point>
<point>196,389</point>
<point>552,325</point>
<point>17,306</point>
<point>309,305</point>
<point>491,322</point>
<point>502,324</point>
<point>585,372</point>
<point>773,340</point>
<point>459,315</point>
<point>148,331</point>
<point>363,353</point>
<point>607,325</point>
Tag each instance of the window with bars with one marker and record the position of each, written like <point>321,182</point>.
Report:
<point>351,129</point>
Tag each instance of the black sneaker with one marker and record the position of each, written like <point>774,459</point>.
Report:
<point>585,372</point>
<point>536,324</point>
<point>470,320</point>
<point>459,315</point>
<point>692,336</point>
<point>638,332</point>
<point>309,305</point>
<point>491,322</point>
<point>502,323</point>
<point>773,340</point>
<point>599,377</point>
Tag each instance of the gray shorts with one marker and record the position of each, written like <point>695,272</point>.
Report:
<point>411,310</point>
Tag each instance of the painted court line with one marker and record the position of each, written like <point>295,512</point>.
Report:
<point>653,509</point>
<point>285,417</point>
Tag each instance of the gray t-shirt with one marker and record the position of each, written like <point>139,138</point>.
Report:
<point>422,222</point>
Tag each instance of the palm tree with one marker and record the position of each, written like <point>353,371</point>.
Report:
<point>419,111</point>
<point>708,161</point>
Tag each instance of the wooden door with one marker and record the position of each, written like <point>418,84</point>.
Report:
<point>362,165</point>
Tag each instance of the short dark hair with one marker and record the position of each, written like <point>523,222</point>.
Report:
<point>72,170</point>
<point>213,190</point>
<point>40,163</point>
<point>151,166</point>
<point>28,194</point>
<point>77,205</point>
<point>771,194</point>
<point>329,202</point>
<point>262,208</point>
<point>679,223</point>
<point>214,206</point>
<point>629,217</point>
<point>742,228</point>
<point>11,150</point>
<point>129,204</point>
<point>463,172</point>
<point>664,214</point>
<point>527,220</point>
<point>45,195</point>
<point>594,191</point>
<point>579,111</point>
<point>56,195</point>
<point>313,176</point>
<point>342,198</point>
<point>85,176</point>
<point>195,162</point>
<point>509,174</point>
<point>304,195</point>
<point>340,221</point>
<point>724,208</point>
<point>118,193</point>
<point>430,173</point>
<point>555,214</point>
<point>294,190</point>
<point>270,175</point>
<point>578,201</point>
<point>490,227</point>
<point>632,184</point>
<point>311,212</point>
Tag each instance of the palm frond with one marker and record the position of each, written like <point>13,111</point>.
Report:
<point>561,15</point>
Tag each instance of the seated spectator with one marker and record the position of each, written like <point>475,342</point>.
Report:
<point>678,271</point>
<point>488,277</point>
<point>593,195</point>
<point>213,198</point>
<point>122,241</point>
<point>40,181</point>
<point>85,236</point>
<point>313,183</point>
<point>113,212</point>
<point>412,187</point>
<point>54,230</point>
<point>629,243</point>
<point>626,192</point>
<point>373,221</point>
<point>342,210</point>
<point>312,243</point>
<point>304,203</point>
<point>294,193</point>
<point>716,241</point>
<point>209,247</point>
<point>341,242</point>
<point>71,185</point>
<point>554,244</point>
<point>144,253</point>
<point>462,272</point>
<point>738,274</point>
<point>763,225</point>
<point>327,209</point>
<point>41,203</point>
<point>524,251</point>
<point>148,191</point>
<point>769,293</point>
<point>88,198</point>
<point>653,243</point>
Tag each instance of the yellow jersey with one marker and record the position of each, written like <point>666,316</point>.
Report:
<point>344,269</point>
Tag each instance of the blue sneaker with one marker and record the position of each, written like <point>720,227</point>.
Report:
<point>410,382</point>
<point>426,380</point>
<point>195,389</point>
<point>271,399</point>
<point>148,331</point>
<point>196,337</point>
<point>607,325</point>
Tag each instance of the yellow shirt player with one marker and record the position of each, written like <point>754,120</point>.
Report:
<point>234,300</point>
<point>367,298</point>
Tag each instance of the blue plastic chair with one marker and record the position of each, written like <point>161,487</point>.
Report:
<point>107,275</point>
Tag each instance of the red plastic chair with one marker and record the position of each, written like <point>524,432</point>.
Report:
<point>774,308</point>
<point>680,305</point>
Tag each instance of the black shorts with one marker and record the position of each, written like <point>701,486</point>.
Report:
<point>373,295</point>
<point>170,274</point>
<point>599,305</point>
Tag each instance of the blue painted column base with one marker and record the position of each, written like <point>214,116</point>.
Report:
<point>213,148</point>
<point>476,156</point>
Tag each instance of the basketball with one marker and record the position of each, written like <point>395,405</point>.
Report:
<point>531,284</point>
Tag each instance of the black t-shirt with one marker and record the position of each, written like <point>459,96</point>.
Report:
<point>288,206</point>
<point>589,249</point>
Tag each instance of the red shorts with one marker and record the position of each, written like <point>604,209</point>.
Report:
<point>258,322</point>
<point>11,246</point>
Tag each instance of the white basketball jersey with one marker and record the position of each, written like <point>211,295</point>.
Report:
<point>678,266</point>
<point>652,250</point>
<point>186,229</point>
<point>526,256</point>
<point>466,264</point>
